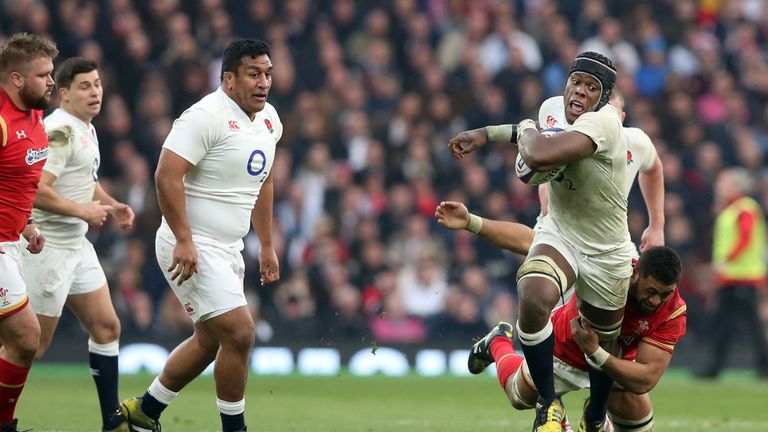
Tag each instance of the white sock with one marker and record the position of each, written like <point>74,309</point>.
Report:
<point>110,349</point>
<point>534,338</point>
<point>231,408</point>
<point>161,392</point>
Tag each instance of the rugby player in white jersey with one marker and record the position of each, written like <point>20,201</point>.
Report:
<point>214,181</point>
<point>643,163</point>
<point>641,156</point>
<point>625,407</point>
<point>582,241</point>
<point>68,199</point>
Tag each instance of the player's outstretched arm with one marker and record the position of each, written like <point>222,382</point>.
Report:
<point>638,376</point>
<point>652,187</point>
<point>261,219</point>
<point>511,236</point>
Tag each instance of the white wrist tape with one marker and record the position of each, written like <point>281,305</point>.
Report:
<point>524,126</point>
<point>598,358</point>
<point>475,224</point>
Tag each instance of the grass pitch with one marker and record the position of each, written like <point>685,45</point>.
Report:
<point>63,398</point>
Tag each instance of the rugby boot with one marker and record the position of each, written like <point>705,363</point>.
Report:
<point>549,417</point>
<point>137,420</point>
<point>480,355</point>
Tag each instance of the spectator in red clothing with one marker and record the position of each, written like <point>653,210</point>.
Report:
<point>26,86</point>
<point>738,258</point>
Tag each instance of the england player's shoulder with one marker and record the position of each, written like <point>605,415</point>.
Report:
<point>552,113</point>
<point>636,135</point>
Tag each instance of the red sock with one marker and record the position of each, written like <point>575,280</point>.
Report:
<point>507,360</point>
<point>12,379</point>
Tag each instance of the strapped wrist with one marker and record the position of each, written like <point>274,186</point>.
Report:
<point>502,133</point>
<point>598,358</point>
<point>524,126</point>
<point>475,224</point>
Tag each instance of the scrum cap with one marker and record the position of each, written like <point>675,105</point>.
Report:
<point>601,68</point>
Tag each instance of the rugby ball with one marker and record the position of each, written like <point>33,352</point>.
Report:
<point>533,178</point>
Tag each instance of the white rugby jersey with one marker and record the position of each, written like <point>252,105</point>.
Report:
<point>73,157</point>
<point>232,157</point>
<point>589,204</point>
<point>641,154</point>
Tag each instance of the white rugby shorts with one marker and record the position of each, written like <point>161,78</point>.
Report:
<point>567,377</point>
<point>601,280</point>
<point>216,288</point>
<point>13,290</point>
<point>56,273</point>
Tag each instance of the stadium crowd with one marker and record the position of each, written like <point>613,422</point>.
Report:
<point>369,93</point>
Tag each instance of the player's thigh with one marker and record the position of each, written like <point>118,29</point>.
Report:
<point>549,269</point>
<point>49,276</point>
<point>629,406</point>
<point>89,275</point>
<point>603,285</point>
<point>215,289</point>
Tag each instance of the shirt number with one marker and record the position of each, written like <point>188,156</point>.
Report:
<point>256,163</point>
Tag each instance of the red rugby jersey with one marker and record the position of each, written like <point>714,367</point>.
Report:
<point>662,329</point>
<point>23,151</point>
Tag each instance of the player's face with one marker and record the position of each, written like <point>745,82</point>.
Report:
<point>582,92</point>
<point>83,97</point>
<point>250,85</point>
<point>648,294</point>
<point>37,84</point>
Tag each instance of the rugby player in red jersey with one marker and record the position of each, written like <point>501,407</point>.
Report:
<point>26,86</point>
<point>654,320</point>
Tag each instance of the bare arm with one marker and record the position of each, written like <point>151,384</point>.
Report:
<point>639,376</point>
<point>46,198</point>
<point>652,187</point>
<point>543,153</point>
<point>511,236</point>
<point>169,182</point>
<point>261,219</point>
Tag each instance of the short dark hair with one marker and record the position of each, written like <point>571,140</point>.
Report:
<point>21,49</point>
<point>70,68</point>
<point>600,67</point>
<point>662,263</point>
<point>236,50</point>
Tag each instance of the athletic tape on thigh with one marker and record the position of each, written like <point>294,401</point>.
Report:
<point>645,424</point>
<point>544,267</point>
<point>604,333</point>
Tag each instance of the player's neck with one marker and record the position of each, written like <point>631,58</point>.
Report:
<point>15,98</point>
<point>68,109</point>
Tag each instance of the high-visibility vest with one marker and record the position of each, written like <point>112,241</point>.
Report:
<point>750,263</point>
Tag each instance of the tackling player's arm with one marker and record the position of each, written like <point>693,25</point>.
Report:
<point>511,236</point>
<point>652,187</point>
<point>638,376</point>
<point>261,220</point>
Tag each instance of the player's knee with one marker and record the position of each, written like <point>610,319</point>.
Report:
<point>534,315</point>
<point>242,339</point>
<point>25,347</point>
<point>105,331</point>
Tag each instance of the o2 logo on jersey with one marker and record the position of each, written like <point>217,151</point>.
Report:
<point>257,163</point>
